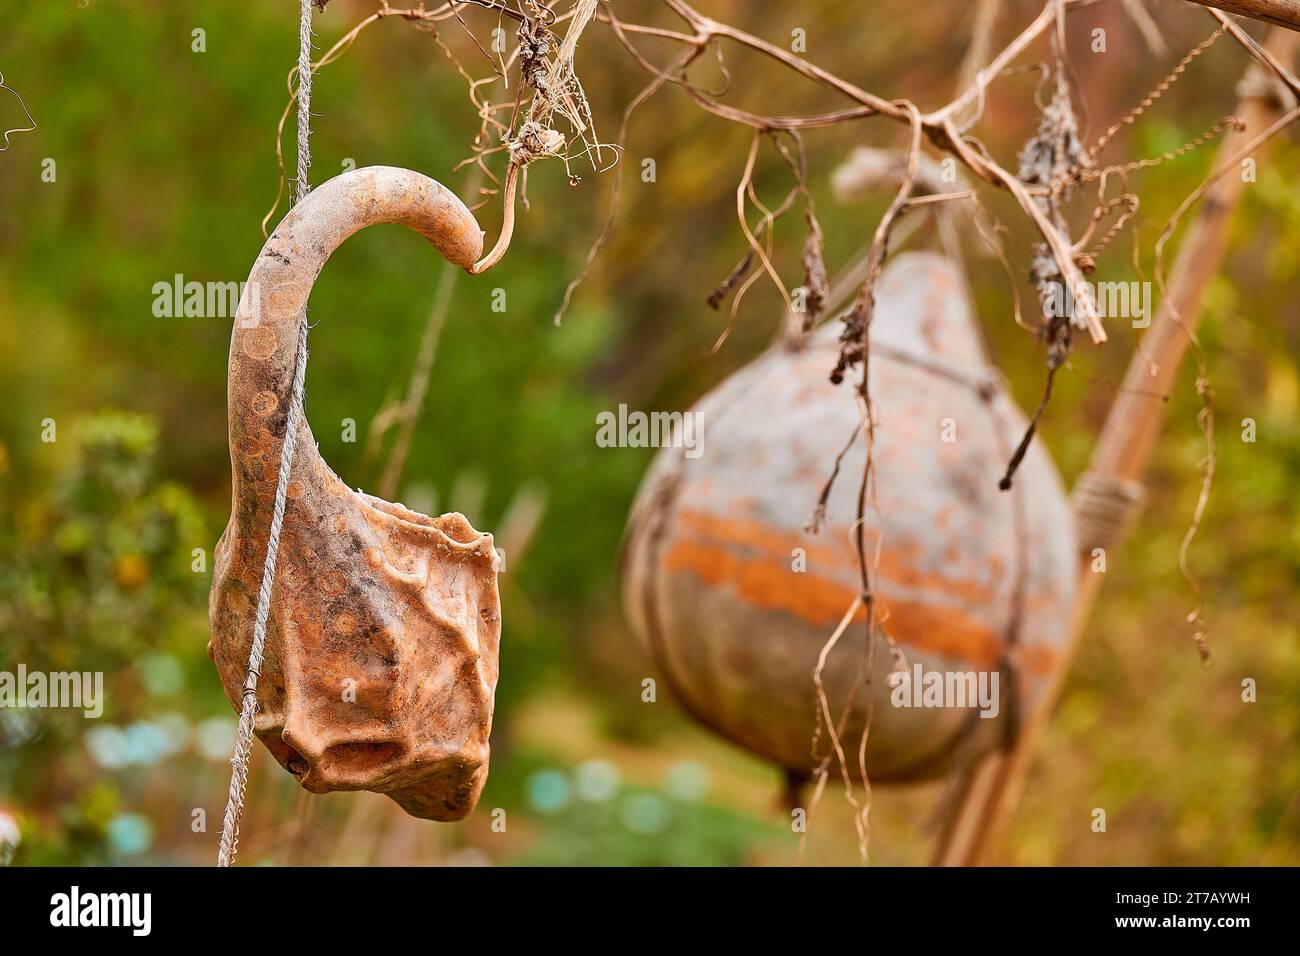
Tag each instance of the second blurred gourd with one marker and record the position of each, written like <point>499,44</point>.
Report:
<point>735,600</point>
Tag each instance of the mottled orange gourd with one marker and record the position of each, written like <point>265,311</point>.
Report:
<point>381,654</point>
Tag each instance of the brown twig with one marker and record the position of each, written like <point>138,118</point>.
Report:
<point>1280,13</point>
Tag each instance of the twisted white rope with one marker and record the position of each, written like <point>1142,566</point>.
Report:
<point>248,704</point>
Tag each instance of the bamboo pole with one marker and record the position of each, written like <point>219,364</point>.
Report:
<point>1128,437</point>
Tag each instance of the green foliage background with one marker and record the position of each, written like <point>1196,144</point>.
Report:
<point>165,165</point>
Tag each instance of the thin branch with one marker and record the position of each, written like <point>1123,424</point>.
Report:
<point>1280,13</point>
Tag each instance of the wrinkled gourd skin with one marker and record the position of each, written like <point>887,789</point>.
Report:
<point>381,656</point>
<point>735,600</point>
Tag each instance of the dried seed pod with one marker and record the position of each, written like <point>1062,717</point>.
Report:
<point>381,654</point>
<point>735,601</point>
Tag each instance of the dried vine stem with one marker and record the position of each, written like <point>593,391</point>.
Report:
<point>5,131</point>
<point>1158,91</point>
<point>555,91</point>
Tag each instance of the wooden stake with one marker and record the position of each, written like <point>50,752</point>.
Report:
<point>1128,437</point>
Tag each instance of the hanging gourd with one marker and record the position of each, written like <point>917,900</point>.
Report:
<point>735,600</point>
<point>380,660</point>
